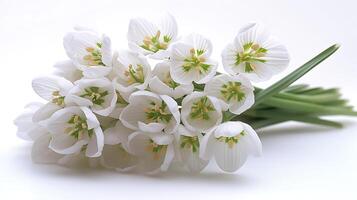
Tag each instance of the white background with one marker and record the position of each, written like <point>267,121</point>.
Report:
<point>299,161</point>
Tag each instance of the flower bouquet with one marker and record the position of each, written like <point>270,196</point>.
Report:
<point>113,109</point>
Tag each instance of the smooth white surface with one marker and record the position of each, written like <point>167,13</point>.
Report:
<point>299,161</point>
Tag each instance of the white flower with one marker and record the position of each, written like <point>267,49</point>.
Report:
<point>150,112</point>
<point>115,152</point>
<point>162,82</point>
<point>230,143</point>
<point>90,52</point>
<point>68,70</point>
<point>190,60</point>
<point>155,150</point>
<point>52,88</point>
<point>150,39</point>
<point>27,129</point>
<point>235,91</point>
<point>75,129</point>
<point>200,112</point>
<point>255,54</point>
<point>132,70</point>
<point>99,94</point>
<point>189,148</point>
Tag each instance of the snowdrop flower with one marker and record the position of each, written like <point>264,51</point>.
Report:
<point>132,70</point>
<point>27,129</point>
<point>189,148</point>
<point>200,112</point>
<point>190,60</point>
<point>150,112</point>
<point>67,70</point>
<point>75,129</point>
<point>230,143</point>
<point>255,54</point>
<point>162,82</point>
<point>155,150</point>
<point>53,89</point>
<point>90,52</point>
<point>115,152</point>
<point>235,91</point>
<point>149,39</point>
<point>99,94</point>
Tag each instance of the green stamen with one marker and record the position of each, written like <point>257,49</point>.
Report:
<point>231,141</point>
<point>196,62</point>
<point>232,90</point>
<point>94,56</point>
<point>201,108</point>
<point>251,53</point>
<point>190,143</point>
<point>156,43</point>
<point>158,113</point>
<point>78,127</point>
<point>57,98</point>
<point>95,94</point>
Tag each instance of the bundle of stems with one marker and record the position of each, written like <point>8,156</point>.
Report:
<point>283,102</point>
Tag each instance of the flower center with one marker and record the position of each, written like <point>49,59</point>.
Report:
<point>201,109</point>
<point>251,53</point>
<point>155,43</point>
<point>135,75</point>
<point>231,141</point>
<point>95,94</point>
<point>57,98</point>
<point>78,127</point>
<point>190,143</point>
<point>157,149</point>
<point>158,113</point>
<point>169,82</point>
<point>232,90</point>
<point>196,61</point>
<point>94,56</point>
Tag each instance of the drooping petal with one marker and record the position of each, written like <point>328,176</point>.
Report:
<point>96,143</point>
<point>66,144</point>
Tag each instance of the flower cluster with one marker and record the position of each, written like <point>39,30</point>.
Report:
<point>112,108</point>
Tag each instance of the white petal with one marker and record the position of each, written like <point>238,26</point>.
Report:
<point>92,121</point>
<point>200,43</point>
<point>168,26</point>
<point>151,127</point>
<point>106,50</point>
<point>169,156</point>
<point>67,70</point>
<point>139,29</point>
<point>207,146</point>
<point>228,129</point>
<point>96,143</point>
<point>96,71</point>
<point>45,86</point>
<point>45,112</point>
<point>230,158</point>
<point>65,144</point>
<point>254,142</point>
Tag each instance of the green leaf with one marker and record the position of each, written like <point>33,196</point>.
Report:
<point>281,116</point>
<point>307,107</point>
<point>295,75</point>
